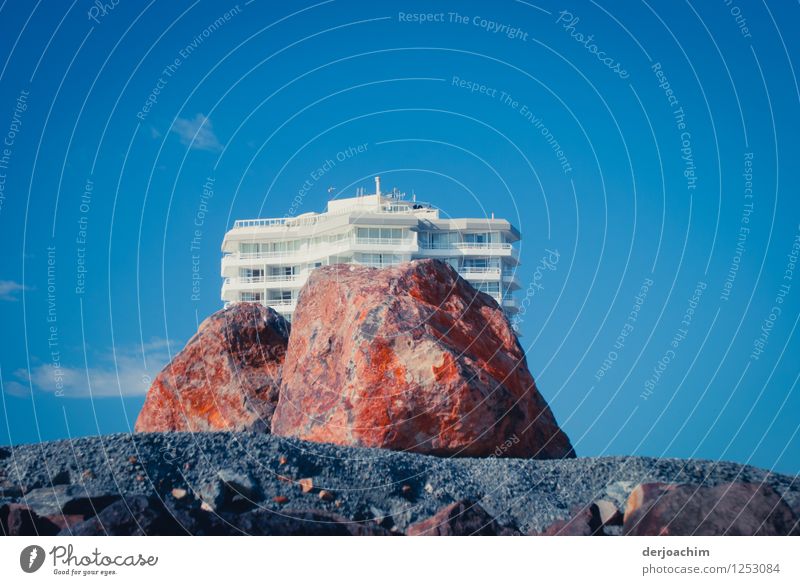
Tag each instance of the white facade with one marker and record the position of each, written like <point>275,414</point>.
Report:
<point>268,260</point>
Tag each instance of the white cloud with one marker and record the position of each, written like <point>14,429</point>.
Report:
<point>9,290</point>
<point>14,388</point>
<point>197,134</point>
<point>124,374</point>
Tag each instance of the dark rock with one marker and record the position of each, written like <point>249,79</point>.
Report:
<point>464,518</point>
<point>526,493</point>
<point>67,499</point>
<point>19,520</point>
<point>301,523</point>
<point>231,491</point>
<point>583,522</point>
<point>135,515</point>
<point>737,509</point>
<point>60,478</point>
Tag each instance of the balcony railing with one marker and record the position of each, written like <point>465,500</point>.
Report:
<point>465,245</point>
<point>384,241</point>
<point>482,245</point>
<point>263,255</point>
<point>415,207</point>
<point>488,270</point>
<point>264,279</point>
<point>378,264</point>
<point>280,302</point>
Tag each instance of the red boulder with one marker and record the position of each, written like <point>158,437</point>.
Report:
<point>411,358</point>
<point>226,378</point>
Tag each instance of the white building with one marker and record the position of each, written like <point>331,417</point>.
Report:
<point>268,260</point>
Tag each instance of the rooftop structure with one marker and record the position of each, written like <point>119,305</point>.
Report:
<point>269,260</point>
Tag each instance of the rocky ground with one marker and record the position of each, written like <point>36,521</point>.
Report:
<point>233,483</point>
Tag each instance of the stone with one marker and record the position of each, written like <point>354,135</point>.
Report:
<point>463,518</point>
<point>736,509</point>
<point>68,499</point>
<point>584,521</point>
<point>226,378</point>
<point>230,491</point>
<point>179,493</point>
<point>608,513</point>
<point>301,523</point>
<point>410,358</point>
<point>133,516</point>
<point>20,520</point>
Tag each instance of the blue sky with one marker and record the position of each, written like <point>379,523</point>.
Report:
<point>650,145</point>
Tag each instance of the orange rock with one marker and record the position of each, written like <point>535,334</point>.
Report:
<point>226,378</point>
<point>410,358</point>
<point>306,484</point>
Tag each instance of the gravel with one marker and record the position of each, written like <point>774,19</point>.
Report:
<point>392,488</point>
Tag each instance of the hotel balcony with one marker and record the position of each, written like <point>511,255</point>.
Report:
<point>492,250</point>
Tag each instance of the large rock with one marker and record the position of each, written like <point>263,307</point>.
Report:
<point>226,378</point>
<point>410,358</point>
<point>736,509</point>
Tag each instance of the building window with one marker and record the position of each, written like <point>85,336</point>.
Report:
<point>251,274</point>
<point>380,260</point>
<point>379,233</point>
<point>250,297</point>
<point>283,271</point>
<point>487,287</point>
<point>481,263</point>
<point>439,240</point>
<point>280,297</point>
